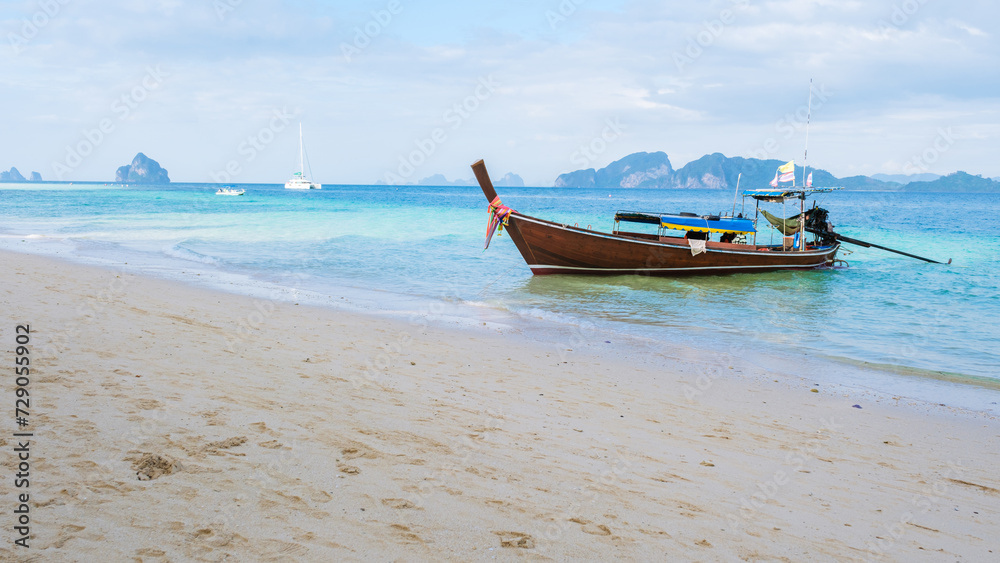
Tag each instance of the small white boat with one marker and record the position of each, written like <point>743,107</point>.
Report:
<point>230,191</point>
<point>299,180</point>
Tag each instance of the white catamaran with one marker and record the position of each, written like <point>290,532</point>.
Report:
<point>299,181</point>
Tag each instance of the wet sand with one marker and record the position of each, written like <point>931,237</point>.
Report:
<point>178,423</point>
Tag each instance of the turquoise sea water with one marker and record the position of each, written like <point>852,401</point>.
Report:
<point>408,245</point>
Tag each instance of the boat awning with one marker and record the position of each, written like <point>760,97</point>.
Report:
<point>689,222</point>
<point>708,224</point>
<point>638,217</point>
<point>781,194</point>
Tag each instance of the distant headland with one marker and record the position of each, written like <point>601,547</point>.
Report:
<point>13,175</point>
<point>142,170</point>
<point>717,171</point>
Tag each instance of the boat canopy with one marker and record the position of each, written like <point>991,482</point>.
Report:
<point>689,222</point>
<point>781,194</point>
<point>707,224</point>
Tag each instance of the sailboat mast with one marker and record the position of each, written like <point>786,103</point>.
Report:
<point>302,162</point>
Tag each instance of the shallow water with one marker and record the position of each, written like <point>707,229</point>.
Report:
<point>403,246</point>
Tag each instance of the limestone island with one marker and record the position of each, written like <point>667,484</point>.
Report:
<point>13,175</point>
<point>143,170</point>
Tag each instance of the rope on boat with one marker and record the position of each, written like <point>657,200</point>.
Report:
<point>499,215</point>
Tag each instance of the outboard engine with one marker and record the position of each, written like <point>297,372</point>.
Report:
<point>817,222</point>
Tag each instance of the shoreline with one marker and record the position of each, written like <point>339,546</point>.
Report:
<point>327,434</point>
<point>880,314</point>
<point>850,375</point>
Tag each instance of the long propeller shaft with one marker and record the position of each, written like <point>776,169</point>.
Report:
<point>871,245</point>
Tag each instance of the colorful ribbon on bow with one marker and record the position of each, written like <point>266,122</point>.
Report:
<point>499,215</point>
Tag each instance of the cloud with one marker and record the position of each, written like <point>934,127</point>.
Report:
<point>974,31</point>
<point>894,74</point>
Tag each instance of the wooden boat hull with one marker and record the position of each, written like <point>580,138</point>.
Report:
<point>553,248</point>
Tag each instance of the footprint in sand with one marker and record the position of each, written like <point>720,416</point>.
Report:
<point>406,533</point>
<point>213,418</point>
<point>590,528</point>
<point>276,549</point>
<point>67,533</point>
<point>216,538</point>
<point>349,469</point>
<point>261,427</point>
<point>399,503</point>
<point>320,496</point>
<point>150,466</point>
<point>516,539</point>
<point>147,404</point>
<point>356,451</point>
<point>220,447</point>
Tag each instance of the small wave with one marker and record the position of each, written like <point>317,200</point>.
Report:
<point>177,251</point>
<point>538,314</point>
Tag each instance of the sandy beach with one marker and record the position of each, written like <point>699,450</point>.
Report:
<point>176,423</point>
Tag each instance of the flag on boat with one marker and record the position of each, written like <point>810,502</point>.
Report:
<point>787,177</point>
<point>787,167</point>
<point>809,180</point>
<point>774,182</point>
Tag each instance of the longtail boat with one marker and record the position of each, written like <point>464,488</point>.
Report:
<point>681,246</point>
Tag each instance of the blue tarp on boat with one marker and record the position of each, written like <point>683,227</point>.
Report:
<point>710,224</point>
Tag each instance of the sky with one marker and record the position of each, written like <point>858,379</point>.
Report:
<point>399,90</point>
